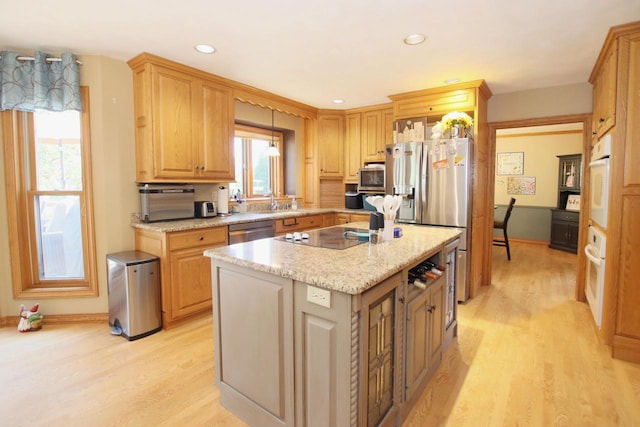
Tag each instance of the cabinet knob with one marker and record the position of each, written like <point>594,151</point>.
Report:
<point>201,238</point>
<point>601,120</point>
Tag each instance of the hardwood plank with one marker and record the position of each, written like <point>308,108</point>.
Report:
<point>527,354</point>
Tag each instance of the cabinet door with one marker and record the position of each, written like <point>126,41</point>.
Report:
<point>331,145</point>
<point>353,159</point>
<point>379,370</point>
<point>371,136</point>
<point>424,336</point>
<point>436,334</point>
<point>605,94</point>
<point>175,120</point>
<point>190,282</point>
<point>417,356</point>
<point>215,138</point>
<point>387,134</point>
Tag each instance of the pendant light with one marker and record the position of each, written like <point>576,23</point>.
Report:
<point>272,151</point>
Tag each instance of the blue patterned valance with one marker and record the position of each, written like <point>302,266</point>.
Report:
<point>39,84</point>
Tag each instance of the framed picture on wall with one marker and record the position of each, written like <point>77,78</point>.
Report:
<point>522,185</point>
<point>510,163</point>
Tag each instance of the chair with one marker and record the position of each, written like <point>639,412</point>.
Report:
<point>502,225</point>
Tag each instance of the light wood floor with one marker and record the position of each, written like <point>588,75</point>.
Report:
<point>527,355</point>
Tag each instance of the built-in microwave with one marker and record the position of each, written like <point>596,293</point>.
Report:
<point>371,179</point>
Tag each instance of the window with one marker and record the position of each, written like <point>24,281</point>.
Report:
<point>48,173</point>
<point>257,175</point>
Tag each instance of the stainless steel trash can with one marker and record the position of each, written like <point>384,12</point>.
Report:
<point>134,294</point>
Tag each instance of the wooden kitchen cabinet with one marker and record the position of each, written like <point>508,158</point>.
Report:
<point>604,93</point>
<point>331,144</point>
<point>618,69</point>
<point>300,223</point>
<point>328,220</point>
<point>377,132</point>
<point>428,103</point>
<point>353,157</point>
<point>380,346</point>
<point>346,218</point>
<point>185,273</point>
<point>184,123</point>
<point>425,335</point>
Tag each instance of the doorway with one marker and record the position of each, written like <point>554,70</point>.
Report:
<point>510,126</point>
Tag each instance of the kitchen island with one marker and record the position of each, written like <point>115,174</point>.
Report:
<point>308,335</point>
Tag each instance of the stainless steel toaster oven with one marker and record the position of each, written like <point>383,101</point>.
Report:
<point>166,202</point>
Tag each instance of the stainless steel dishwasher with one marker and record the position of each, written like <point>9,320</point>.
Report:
<point>249,231</point>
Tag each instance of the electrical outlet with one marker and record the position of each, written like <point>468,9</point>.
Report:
<point>319,296</point>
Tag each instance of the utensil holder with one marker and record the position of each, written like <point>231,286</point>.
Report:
<point>388,230</point>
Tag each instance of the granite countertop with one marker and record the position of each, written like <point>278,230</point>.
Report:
<point>235,218</point>
<point>352,270</point>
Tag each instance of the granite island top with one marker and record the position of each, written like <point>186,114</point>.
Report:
<point>352,270</point>
<point>236,218</point>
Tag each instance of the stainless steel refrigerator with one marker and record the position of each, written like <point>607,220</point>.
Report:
<point>434,179</point>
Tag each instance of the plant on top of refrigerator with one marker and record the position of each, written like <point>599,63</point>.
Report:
<point>455,118</point>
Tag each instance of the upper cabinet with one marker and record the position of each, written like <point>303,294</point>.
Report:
<point>353,157</point>
<point>603,79</point>
<point>184,123</point>
<point>433,102</point>
<point>377,131</point>
<point>331,144</point>
<point>367,131</point>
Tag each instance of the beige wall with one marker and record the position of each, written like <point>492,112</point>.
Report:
<point>112,138</point>
<point>546,102</point>
<point>540,149</point>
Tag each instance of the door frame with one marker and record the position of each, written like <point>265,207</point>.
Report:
<point>585,119</point>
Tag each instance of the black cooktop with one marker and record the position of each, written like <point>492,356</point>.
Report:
<point>331,238</point>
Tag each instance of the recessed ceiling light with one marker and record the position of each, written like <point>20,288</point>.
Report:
<point>338,101</point>
<point>205,48</point>
<point>415,39</point>
<point>452,80</point>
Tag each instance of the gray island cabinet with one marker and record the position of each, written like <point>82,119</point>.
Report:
<point>311,336</point>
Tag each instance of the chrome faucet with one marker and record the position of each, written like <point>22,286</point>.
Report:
<point>274,204</point>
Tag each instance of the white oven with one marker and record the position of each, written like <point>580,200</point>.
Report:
<point>599,179</point>
<point>594,289</point>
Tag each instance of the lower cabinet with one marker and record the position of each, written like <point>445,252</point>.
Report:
<point>346,218</point>
<point>425,335</point>
<point>299,223</point>
<point>564,230</point>
<point>185,273</point>
<point>291,354</point>
<point>379,353</point>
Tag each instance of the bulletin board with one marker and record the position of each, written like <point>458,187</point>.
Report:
<point>510,163</point>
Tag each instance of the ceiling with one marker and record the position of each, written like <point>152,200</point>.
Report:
<point>317,51</point>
